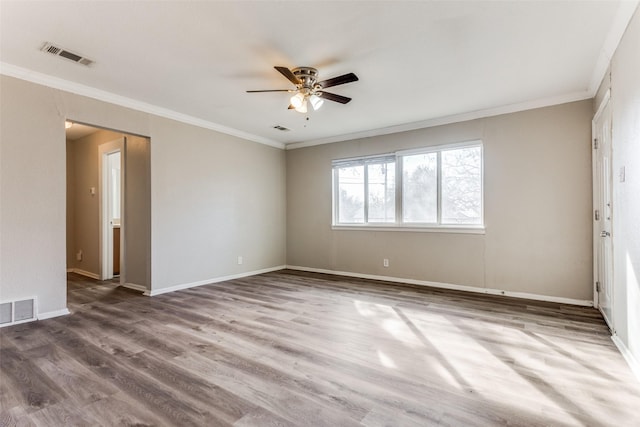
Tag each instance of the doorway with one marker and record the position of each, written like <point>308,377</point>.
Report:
<point>108,208</point>
<point>603,212</point>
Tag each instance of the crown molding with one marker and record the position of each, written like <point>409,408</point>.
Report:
<point>624,15</point>
<point>626,9</point>
<point>445,120</point>
<point>123,101</point>
<point>618,28</point>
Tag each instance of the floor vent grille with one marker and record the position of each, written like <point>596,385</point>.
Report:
<point>58,51</point>
<point>19,311</point>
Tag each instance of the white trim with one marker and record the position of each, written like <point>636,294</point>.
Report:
<point>397,158</point>
<point>361,160</point>
<point>134,286</point>
<point>620,23</point>
<point>84,273</point>
<point>454,118</point>
<point>105,237</point>
<point>101,95</point>
<point>601,107</point>
<point>490,291</point>
<point>594,190</point>
<point>440,147</point>
<point>154,292</point>
<point>596,204</point>
<point>446,229</point>
<point>56,313</point>
<point>628,356</point>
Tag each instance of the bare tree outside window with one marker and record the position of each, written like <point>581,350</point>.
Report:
<point>382,192</point>
<point>351,195</point>
<point>438,186</point>
<point>420,188</point>
<point>462,186</point>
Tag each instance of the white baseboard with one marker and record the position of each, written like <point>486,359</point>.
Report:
<point>182,286</point>
<point>83,273</point>
<point>628,356</point>
<point>50,314</point>
<point>490,291</point>
<point>135,287</point>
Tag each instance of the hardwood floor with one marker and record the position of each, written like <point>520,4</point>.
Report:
<point>300,349</point>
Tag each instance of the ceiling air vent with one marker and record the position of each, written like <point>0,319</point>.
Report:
<point>58,51</point>
<point>282,128</point>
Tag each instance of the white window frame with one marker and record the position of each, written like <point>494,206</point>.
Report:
<point>358,161</point>
<point>399,225</point>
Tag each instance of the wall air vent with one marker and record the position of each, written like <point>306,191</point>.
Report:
<point>58,51</point>
<point>282,128</point>
<point>13,312</point>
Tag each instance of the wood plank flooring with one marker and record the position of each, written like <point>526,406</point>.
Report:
<point>301,349</point>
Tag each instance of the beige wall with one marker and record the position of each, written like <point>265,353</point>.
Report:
<point>71,200</point>
<point>537,208</point>
<point>221,197</point>
<point>625,108</point>
<point>213,196</point>
<point>137,212</point>
<point>32,194</point>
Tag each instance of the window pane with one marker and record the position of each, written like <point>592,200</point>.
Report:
<point>351,195</point>
<point>382,192</point>
<point>462,186</point>
<point>420,188</point>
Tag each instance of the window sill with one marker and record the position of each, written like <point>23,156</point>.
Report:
<point>414,229</point>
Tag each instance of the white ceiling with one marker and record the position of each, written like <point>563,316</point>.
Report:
<point>78,131</point>
<point>419,62</point>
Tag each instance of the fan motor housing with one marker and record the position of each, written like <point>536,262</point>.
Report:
<point>307,75</point>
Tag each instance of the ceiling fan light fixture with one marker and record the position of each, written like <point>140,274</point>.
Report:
<point>297,100</point>
<point>308,89</point>
<point>316,102</point>
<point>303,107</point>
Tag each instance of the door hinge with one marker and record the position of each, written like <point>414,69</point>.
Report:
<point>595,143</point>
<point>596,215</point>
<point>597,286</point>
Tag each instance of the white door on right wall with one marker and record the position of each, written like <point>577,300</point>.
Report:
<point>603,212</point>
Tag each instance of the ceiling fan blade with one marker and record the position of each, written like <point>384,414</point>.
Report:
<point>289,74</point>
<point>269,90</point>
<point>340,80</point>
<point>333,97</point>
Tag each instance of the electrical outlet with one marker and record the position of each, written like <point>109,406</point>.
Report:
<point>385,262</point>
<point>79,255</point>
<point>240,260</point>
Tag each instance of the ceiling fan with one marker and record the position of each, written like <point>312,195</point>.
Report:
<point>308,89</point>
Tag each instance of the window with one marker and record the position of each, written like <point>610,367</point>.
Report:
<point>420,188</point>
<point>365,190</point>
<point>461,186</point>
<point>436,187</point>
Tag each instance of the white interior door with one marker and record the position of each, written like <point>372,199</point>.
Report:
<point>114,213</point>
<point>603,212</point>
<point>111,164</point>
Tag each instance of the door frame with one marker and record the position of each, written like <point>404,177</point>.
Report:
<point>106,237</point>
<point>596,183</point>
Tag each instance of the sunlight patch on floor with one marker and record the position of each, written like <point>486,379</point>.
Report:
<point>385,360</point>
